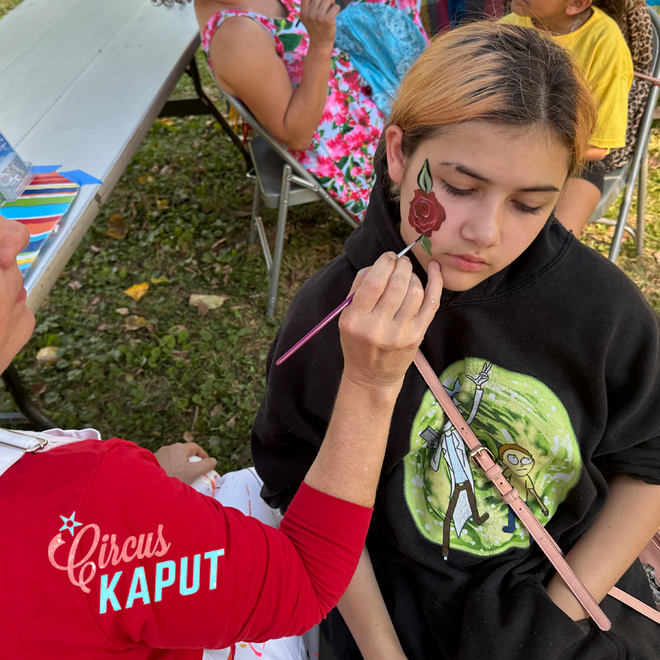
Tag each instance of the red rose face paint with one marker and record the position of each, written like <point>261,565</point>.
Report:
<point>426,214</point>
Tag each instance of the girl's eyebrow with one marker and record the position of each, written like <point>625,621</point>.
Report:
<point>463,169</point>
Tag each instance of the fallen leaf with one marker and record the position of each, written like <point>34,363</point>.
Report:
<point>96,301</point>
<point>213,440</point>
<point>165,170</point>
<point>105,326</point>
<point>122,310</point>
<point>137,290</point>
<point>188,436</point>
<point>166,121</point>
<point>202,309</point>
<point>176,329</point>
<point>136,322</point>
<point>217,409</point>
<point>38,389</point>
<point>232,422</point>
<point>117,227</point>
<point>93,248</point>
<point>159,280</point>
<point>49,354</point>
<point>181,355</point>
<point>162,204</point>
<point>211,302</point>
<point>146,179</point>
<point>75,285</point>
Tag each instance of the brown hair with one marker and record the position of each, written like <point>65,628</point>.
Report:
<point>616,9</point>
<point>505,74</point>
<point>506,448</point>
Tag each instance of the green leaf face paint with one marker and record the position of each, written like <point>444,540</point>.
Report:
<point>424,179</point>
<point>426,244</point>
<point>426,214</point>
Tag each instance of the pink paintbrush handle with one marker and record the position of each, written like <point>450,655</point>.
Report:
<point>336,312</point>
<point>329,317</point>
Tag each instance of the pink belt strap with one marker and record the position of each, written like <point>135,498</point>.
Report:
<point>493,471</point>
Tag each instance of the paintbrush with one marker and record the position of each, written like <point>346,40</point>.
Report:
<point>334,313</point>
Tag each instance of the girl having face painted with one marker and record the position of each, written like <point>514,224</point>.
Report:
<point>487,127</point>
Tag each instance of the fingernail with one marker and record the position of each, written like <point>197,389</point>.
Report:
<point>392,255</point>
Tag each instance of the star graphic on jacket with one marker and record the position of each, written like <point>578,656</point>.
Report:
<point>69,523</point>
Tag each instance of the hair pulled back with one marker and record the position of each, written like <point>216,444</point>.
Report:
<point>614,8</point>
<point>505,74</point>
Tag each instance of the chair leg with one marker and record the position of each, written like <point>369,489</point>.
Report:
<point>279,240</point>
<point>23,400</point>
<point>624,209</point>
<point>255,213</point>
<point>641,206</point>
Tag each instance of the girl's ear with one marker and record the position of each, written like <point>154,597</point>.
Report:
<point>577,7</point>
<point>395,159</point>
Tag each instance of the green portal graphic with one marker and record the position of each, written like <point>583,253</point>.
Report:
<point>528,431</point>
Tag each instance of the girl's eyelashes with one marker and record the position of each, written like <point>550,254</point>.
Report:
<point>459,192</point>
<point>533,210</point>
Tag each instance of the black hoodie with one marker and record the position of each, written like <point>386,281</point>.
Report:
<point>555,363</point>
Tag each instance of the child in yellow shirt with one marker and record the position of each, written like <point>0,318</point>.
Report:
<point>597,44</point>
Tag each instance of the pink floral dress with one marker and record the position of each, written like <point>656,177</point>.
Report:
<point>342,149</point>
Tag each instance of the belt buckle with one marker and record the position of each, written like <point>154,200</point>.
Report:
<point>475,452</point>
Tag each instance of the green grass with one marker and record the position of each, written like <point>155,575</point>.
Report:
<point>7,5</point>
<point>185,203</point>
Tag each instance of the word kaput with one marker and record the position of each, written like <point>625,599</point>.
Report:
<point>84,570</point>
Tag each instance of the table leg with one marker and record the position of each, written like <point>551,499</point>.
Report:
<point>203,105</point>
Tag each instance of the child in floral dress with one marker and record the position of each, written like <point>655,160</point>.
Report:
<point>334,125</point>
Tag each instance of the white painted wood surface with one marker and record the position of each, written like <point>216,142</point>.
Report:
<point>81,82</point>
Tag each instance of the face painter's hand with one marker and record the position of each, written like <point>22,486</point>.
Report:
<point>387,320</point>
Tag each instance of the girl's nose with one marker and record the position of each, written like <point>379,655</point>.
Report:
<point>14,238</point>
<point>483,228</point>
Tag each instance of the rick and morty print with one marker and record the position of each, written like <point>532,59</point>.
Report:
<point>528,431</point>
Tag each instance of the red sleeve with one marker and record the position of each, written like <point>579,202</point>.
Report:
<point>175,569</point>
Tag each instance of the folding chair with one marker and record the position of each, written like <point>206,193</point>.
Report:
<point>281,182</point>
<point>625,177</point>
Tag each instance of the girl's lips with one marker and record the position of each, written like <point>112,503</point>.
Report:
<point>467,262</point>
